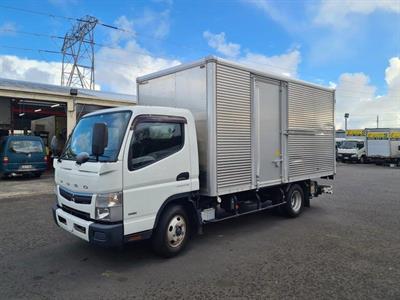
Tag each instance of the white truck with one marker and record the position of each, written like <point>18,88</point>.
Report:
<point>209,141</point>
<point>352,150</point>
<point>383,145</point>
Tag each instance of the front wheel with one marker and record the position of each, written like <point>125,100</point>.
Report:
<point>362,160</point>
<point>172,232</point>
<point>294,201</point>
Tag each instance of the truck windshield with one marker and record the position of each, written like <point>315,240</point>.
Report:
<point>351,145</point>
<point>81,138</point>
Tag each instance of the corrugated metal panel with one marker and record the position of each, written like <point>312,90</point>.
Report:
<point>233,111</point>
<point>311,130</point>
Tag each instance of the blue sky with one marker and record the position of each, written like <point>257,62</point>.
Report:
<point>353,45</point>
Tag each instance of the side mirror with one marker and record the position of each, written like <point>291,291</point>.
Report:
<point>99,139</point>
<point>82,157</point>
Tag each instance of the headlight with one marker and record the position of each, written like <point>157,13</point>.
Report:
<point>354,155</point>
<point>339,155</point>
<point>109,207</point>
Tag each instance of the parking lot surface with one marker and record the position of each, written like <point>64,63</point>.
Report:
<point>346,246</point>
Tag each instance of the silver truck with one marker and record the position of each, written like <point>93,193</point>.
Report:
<point>383,145</point>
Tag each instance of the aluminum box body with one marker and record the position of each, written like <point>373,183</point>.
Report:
<point>254,129</point>
<point>383,143</point>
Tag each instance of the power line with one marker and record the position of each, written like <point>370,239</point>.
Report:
<point>348,95</point>
<point>126,31</point>
<point>118,48</point>
<point>59,52</point>
<point>131,32</point>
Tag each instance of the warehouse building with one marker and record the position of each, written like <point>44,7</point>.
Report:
<point>48,110</point>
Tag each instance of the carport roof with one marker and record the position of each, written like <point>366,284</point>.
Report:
<point>20,85</point>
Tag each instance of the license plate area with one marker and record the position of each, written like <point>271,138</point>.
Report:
<point>25,167</point>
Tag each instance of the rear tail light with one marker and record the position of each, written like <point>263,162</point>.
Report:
<point>5,160</point>
<point>45,158</point>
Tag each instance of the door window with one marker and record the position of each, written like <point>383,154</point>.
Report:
<point>154,141</point>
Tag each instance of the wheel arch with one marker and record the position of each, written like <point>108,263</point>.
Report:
<point>188,202</point>
<point>305,186</point>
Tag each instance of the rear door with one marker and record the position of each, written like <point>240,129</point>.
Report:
<point>267,132</point>
<point>26,153</point>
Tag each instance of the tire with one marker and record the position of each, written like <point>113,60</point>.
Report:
<point>172,232</point>
<point>294,201</point>
<point>37,174</point>
<point>362,160</point>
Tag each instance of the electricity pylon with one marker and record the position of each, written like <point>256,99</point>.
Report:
<point>78,54</point>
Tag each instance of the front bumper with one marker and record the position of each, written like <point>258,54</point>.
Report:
<point>344,158</point>
<point>105,235</point>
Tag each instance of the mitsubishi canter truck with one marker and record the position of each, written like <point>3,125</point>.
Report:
<point>209,141</point>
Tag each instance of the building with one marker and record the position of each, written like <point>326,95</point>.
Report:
<point>46,110</point>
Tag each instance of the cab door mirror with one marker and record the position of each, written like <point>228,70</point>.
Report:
<point>99,139</point>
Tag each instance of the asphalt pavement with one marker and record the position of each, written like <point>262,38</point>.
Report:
<point>346,246</point>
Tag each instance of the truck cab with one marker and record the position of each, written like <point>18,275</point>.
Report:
<point>352,150</point>
<point>119,167</point>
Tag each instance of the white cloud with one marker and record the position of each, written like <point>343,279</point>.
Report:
<point>273,12</point>
<point>338,13</point>
<point>218,42</point>
<point>284,64</point>
<point>157,23</point>
<point>116,67</point>
<point>355,95</point>
<point>7,28</point>
<point>14,67</point>
<point>116,36</point>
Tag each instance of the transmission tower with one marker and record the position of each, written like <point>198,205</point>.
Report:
<point>78,54</point>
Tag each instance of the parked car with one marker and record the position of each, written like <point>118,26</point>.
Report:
<point>22,155</point>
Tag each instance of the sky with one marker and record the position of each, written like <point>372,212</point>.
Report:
<point>351,45</point>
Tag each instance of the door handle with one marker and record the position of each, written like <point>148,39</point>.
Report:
<point>277,162</point>
<point>182,176</point>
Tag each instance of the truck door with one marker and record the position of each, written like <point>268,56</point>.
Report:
<point>156,167</point>
<point>267,132</point>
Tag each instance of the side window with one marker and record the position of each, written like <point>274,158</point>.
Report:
<point>360,145</point>
<point>153,141</point>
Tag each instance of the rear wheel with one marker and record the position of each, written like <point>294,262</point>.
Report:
<point>37,174</point>
<point>172,232</point>
<point>294,201</point>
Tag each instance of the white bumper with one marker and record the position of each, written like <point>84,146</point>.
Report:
<point>75,225</point>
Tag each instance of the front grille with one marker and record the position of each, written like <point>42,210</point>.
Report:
<point>76,213</point>
<point>76,197</point>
